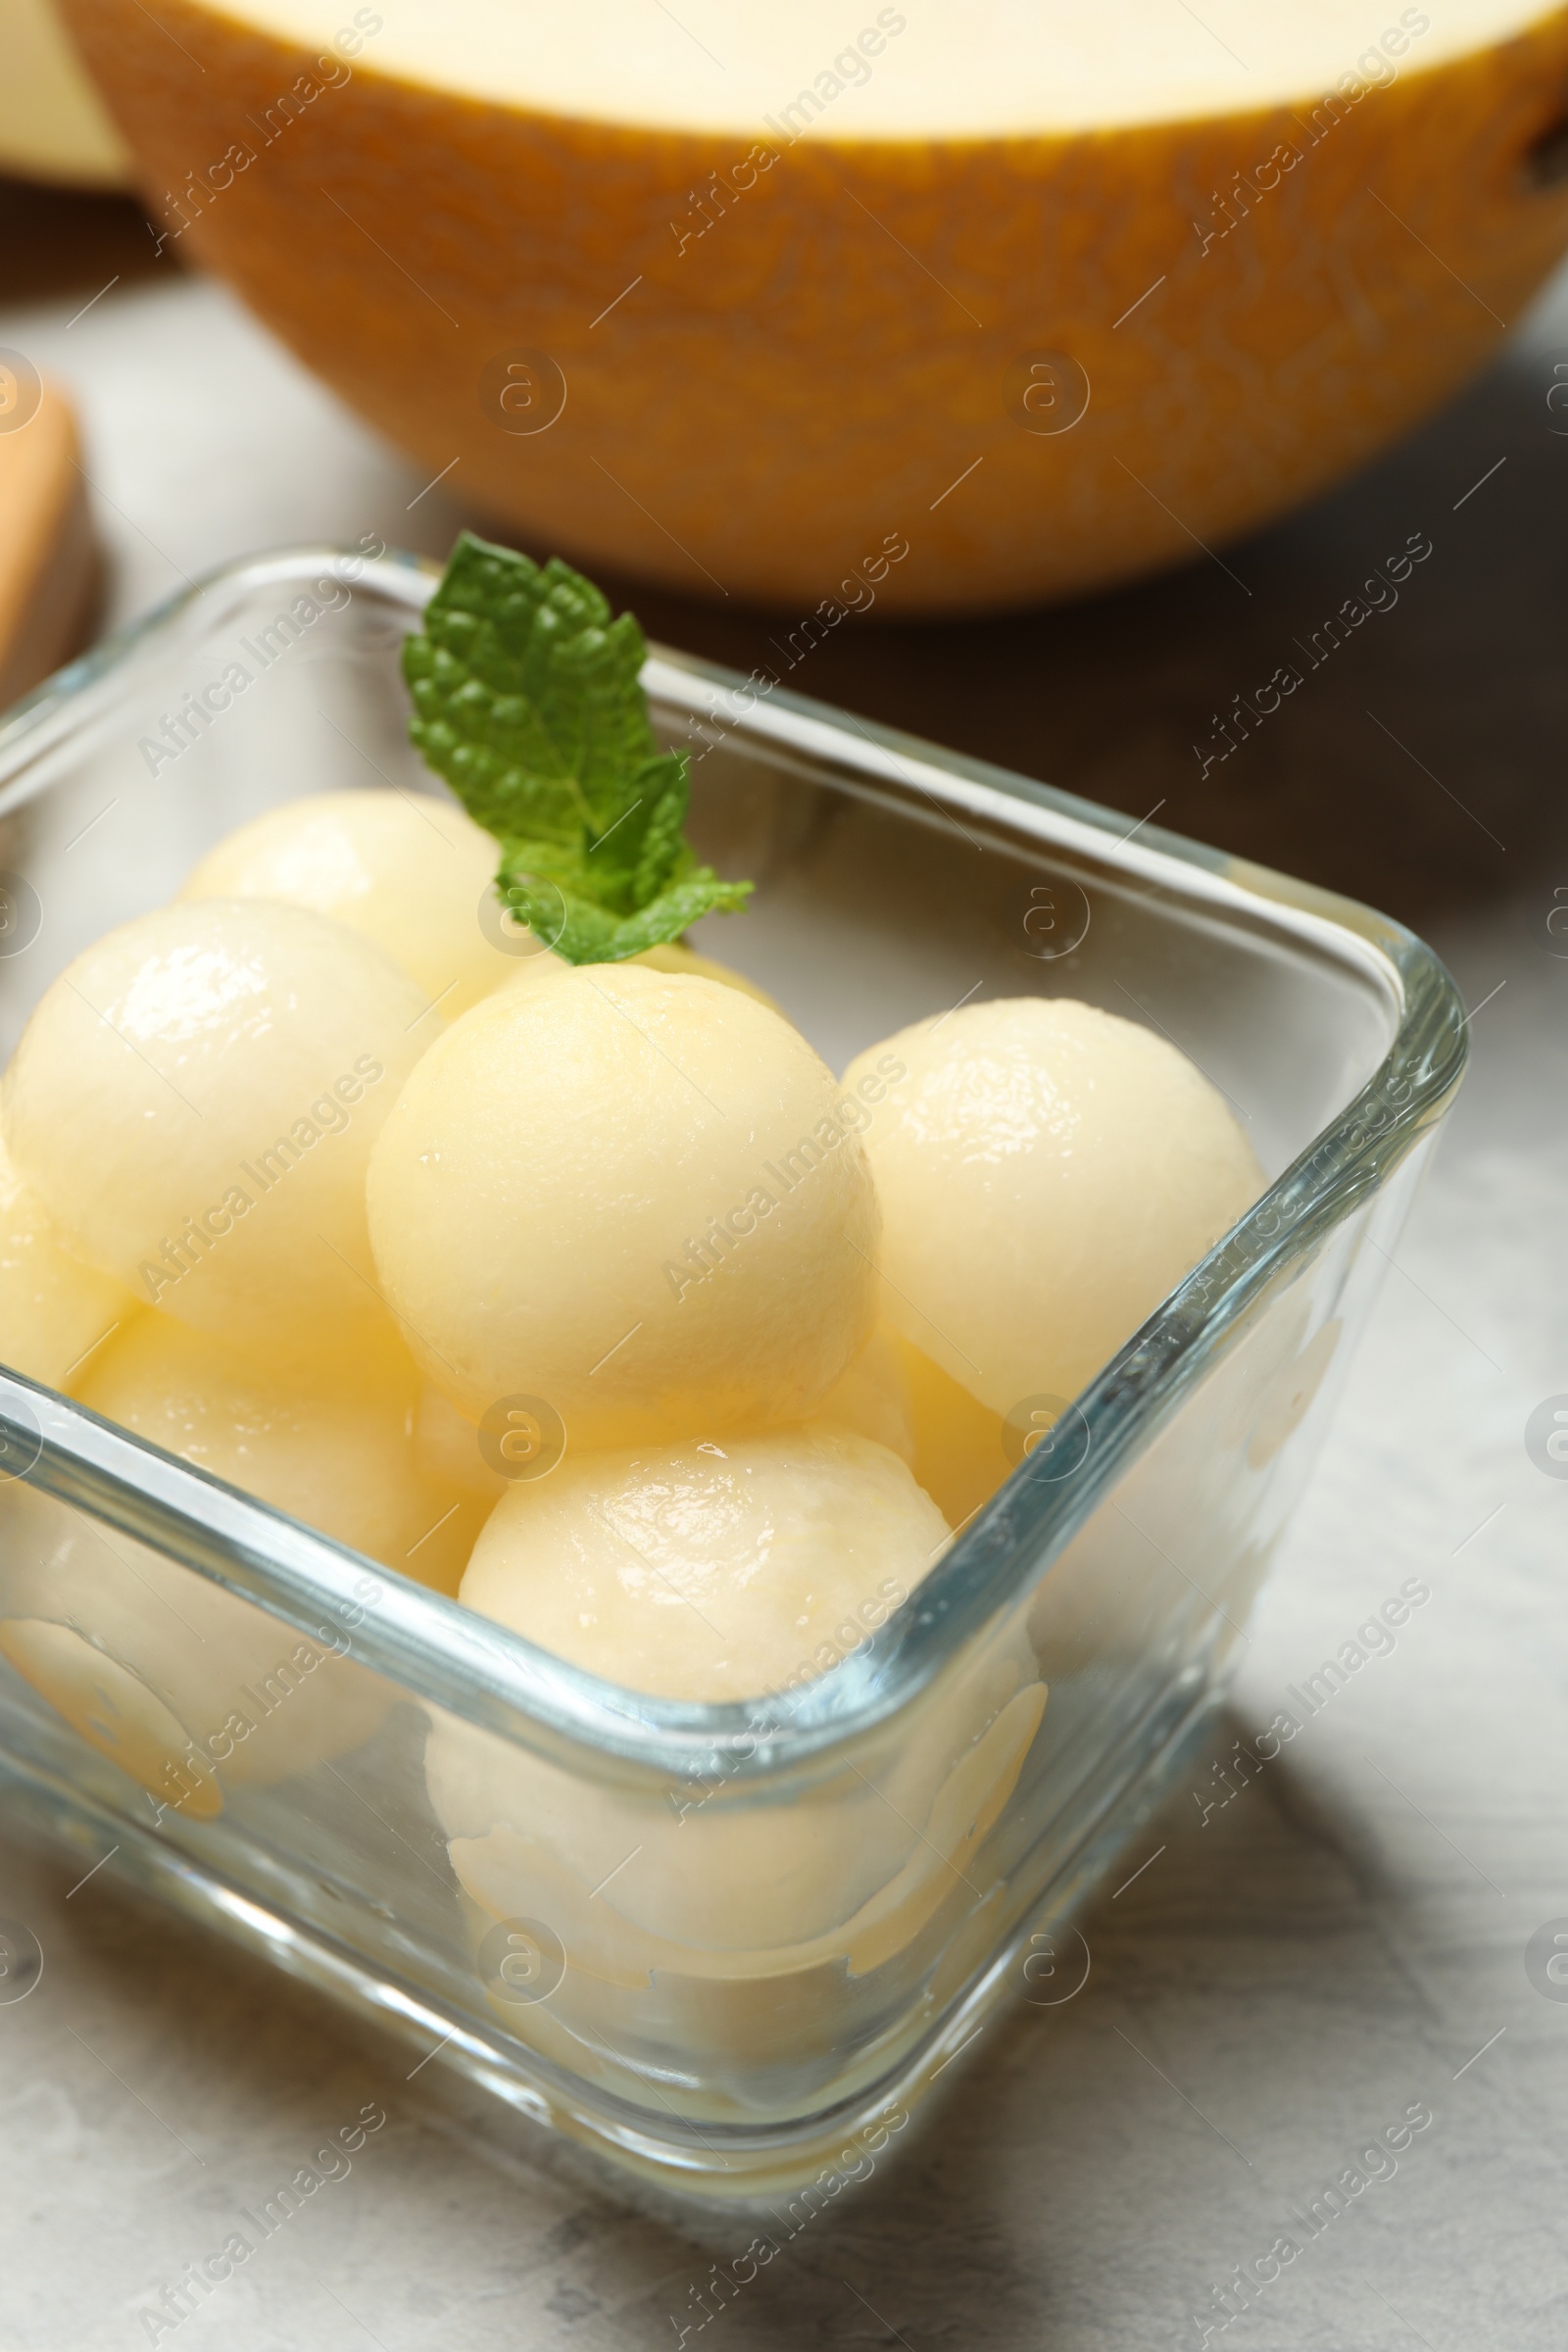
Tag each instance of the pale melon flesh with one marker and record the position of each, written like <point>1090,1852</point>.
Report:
<point>985,68</point>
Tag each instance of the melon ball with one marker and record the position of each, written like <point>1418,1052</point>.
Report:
<point>177,1681</point>
<point>194,1101</point>
<point>54,1311</point>
<point>337,1451</point>
<point>629,1198</point>
<point>407,869</point>
<point>1048,1172</point>
<point>750,1570</point>
<point>697,1913</point>
<point>709,1571</point>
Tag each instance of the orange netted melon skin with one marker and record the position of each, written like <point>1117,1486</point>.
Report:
<point>819,399</point>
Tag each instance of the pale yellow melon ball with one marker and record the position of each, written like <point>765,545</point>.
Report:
<point>407,869</point>
<point>337,1451</point>
<point>709,1571</point>
<point>630,1198</point>
<point>177,1681</point>
<point>751,1571</point>
<point>54,1311</point>
<point>195,1100</point>
<point>693,1913</point>
<point>1048,1172</point>
<point>182,1684</point>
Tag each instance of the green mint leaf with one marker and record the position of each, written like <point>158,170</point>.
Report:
<point>529,701</point>
<point>552,899</point>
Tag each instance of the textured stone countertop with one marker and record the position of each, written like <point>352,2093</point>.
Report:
<point>1347,1937</point>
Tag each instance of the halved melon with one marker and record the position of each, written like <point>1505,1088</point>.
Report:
<point>906,311</point>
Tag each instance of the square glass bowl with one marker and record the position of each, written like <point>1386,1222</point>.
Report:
<point>717,1941</point>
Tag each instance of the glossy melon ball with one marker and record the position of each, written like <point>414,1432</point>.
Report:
<point>408,869</point>
<point>707,1570</point>
<point>194,1101</point>
<point>337,1451</point>
<point>177,1681</point>
<point>54,1311</point>
<point>1048,1172</point>
<point>628,1197</point>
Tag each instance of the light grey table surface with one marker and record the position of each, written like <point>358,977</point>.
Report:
<point>1287,1975</point>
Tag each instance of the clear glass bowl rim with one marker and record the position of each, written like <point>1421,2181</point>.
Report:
<point>441,1652</point>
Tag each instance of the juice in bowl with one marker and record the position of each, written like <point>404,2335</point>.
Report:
<point>643,1562</point>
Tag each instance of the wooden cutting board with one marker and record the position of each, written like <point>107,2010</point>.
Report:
<point>50,568</point>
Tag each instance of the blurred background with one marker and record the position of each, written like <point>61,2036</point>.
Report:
<point>1348,1937</point>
